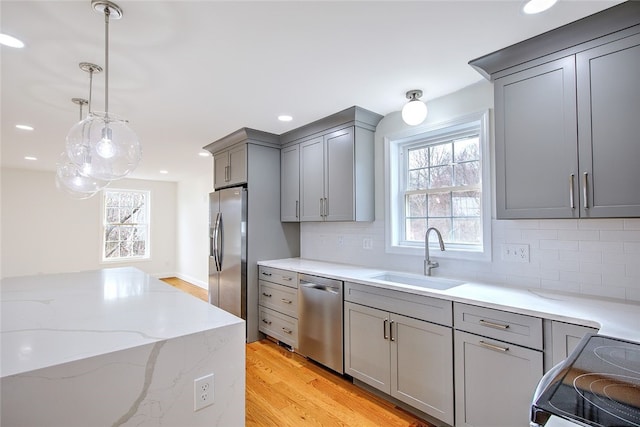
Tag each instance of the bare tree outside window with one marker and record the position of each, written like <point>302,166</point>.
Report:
<point>444,190</point>
<point>126,224</point>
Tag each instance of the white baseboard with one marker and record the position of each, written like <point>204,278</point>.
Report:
<point>192,280</point>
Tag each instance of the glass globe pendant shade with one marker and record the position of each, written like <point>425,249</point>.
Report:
<point>70,180</point>
<point>414,112</point>
<point>104,147</point>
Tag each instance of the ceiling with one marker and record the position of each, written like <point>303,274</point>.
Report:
<point>186,73</point>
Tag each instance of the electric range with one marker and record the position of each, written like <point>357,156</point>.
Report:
<point>597,385</point>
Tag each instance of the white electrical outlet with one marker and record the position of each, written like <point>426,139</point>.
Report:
<point>202,392</point>
<point>515,253</point>
<point>340,240</point>
<point>367,243</point>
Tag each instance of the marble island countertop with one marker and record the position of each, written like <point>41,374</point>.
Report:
<point>613,318</point>
<point>49,320</point>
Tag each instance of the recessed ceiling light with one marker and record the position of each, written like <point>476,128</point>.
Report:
<point>7,40</point>
<point>30,158</point>
<point>24,127</point>
<point>204,154</point>
<point>537,6</point>
<point>164,172</point>
<point>285,118</point>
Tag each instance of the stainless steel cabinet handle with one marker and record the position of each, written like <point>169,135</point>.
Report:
<point>584,189</point>
<point>287,278</point>
<point>384,329</point>
<point>266,295</point>
<point>297,209</point>
<point>326,208</point>
<point>571,201</point>
<point>268,322</point>
<point>286,301</point>
<point>492,324</point>
<point>226,173</point>
<point>493,346</point>
<point>264,273</point>
<point>321,207</point>
<point>391,331</point>
<point>287,331</point>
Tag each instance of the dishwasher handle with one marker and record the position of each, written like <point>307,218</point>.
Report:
<point>324,288</point>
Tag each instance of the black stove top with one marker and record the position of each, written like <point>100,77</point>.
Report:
<point>598,385</point>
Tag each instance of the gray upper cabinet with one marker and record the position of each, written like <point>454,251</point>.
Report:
<point>230,166</point>
<point>566,127</point>
<point>290,184</point>
<point>609,129</point>
<point>535,129</point>
<point>336,168</point>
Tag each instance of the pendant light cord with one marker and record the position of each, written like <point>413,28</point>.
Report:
<point>107,12</point>
<point>90,87</point>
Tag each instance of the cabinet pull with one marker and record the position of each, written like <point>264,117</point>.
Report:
<point>384,329</point>
<point>226,173</point>
<point>571,201</point>
<point>264,273</point>
<point>326,209</point>
<point>584,189</point>
<point>287,331</point>
<point>321,207</point>
<point>268,322</point>
<point>297,209</point>
<point>266,295</point>
<point>391,331</point>
<point>286,301</point>
<point>492,325</point>
<point>493,346</point>
<point>287,278</point>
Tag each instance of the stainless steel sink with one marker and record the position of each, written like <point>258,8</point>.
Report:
<point>417,280</point>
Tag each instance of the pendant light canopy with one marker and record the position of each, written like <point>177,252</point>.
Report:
<point>102,145</point>
<point>415,111</point>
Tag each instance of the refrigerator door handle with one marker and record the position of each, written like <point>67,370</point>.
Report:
<point>221,247</point>
<point>215,247</point>
<point>211,240</point>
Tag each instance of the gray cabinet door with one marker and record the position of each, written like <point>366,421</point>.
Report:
<point>536,142</point>
<point>366,345</point>
<point>422,366</point>
<point>220,169</point>
<point>565,337</point>
<point>494,381</point>
<point>290,184</point>
<point>609,132</point>
<point>237,165</point>
<point>339,175</point>
<point>312,180</point>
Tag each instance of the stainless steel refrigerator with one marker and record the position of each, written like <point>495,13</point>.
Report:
<point>228,250</point>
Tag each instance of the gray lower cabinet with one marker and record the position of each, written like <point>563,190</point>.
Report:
<point>407,358</point>
<point>278,304</point>
<point>495,378</point>
<point>565,337</point>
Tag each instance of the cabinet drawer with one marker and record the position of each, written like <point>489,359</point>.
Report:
<point>501,325</point>
<point>279,326</point>
<point>279,298</point>
<point>417,306</point>
<point>275,275</point>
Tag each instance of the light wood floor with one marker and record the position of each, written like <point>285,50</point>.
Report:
<point>285,389</point>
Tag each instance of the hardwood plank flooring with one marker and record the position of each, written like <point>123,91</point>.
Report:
<point>284,389</point>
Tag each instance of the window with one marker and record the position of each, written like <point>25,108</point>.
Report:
<point>126,225</point>
<point>439,178</point>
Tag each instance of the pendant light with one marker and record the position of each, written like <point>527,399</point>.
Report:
<point>69,177</point>
<point>103,145</point>
<point>415,111</point>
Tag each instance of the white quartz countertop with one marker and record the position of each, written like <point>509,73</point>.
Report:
<point>613,318</point>
<point>47,320</point>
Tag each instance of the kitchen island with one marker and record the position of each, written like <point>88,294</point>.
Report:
<point>115,347</point>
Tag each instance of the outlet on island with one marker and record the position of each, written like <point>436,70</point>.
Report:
<point>202,392</point>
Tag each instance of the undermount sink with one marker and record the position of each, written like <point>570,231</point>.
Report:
<point>416,280</point>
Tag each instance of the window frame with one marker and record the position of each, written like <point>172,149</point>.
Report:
<point>395,183</point>
<point>147,225</point>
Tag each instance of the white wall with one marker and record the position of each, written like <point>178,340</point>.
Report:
<point>192,229</point>
<point>589,256</point>
<point>45,231</point>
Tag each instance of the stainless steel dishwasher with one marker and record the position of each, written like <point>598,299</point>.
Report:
<point>320,317</point>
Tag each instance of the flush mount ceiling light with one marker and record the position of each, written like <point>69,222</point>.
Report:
<point>285,118</point>
<point>415,111</point>
<point>10,41</point>
<point>24,127</point>
<point>103,145</point>
<point>536,6</point>
<point>69,177</point>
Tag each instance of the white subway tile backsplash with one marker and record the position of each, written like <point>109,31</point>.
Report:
<point>632,224</point>
<point>521,224</point>
<point>589,267</point>
<point>567,245</point>
<point>600,224</point>
<point>617,236</point>
<point>558,224</point>
<point>602,291</point>
<point>631,247</point>
<point>581,277</point>
<point>633,295</point>
<point>578,234</point>
<point>558,285</point>
<point>599,246</point>
<point>523,281</point>
<point>538,234</point>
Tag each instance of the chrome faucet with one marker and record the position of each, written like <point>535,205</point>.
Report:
<point>428,264</point>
